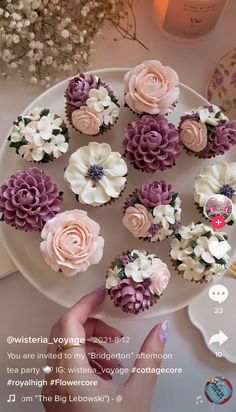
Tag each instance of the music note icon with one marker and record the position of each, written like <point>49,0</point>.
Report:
<point>12,398</point>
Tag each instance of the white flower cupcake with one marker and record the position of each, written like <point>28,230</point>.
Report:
<point>96,174</point>
<point>199,253</point>
<point>40,136</point>
<point>217,179</point>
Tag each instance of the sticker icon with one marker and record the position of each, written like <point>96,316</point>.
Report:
<point>218,205</point>
<point>218,222</point>
<point>218,390</point>
<point>218,293</point>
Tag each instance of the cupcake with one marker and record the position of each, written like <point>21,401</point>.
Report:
<point>40,136</point>
<point>71,242</point>
<point>151,143</point>
<point>96,174</point>
<point>206,132</point>
<point>29,199</point>
<point>135,281</point>
<point>91,106</point>
<point>153,211</point>
<point>199,253</point>
<point>151,88</point>
<point>217,179</point>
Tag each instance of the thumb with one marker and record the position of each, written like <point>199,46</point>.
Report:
<point>145,370</point>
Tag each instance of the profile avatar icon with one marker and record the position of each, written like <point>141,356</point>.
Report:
<point>218,205</point>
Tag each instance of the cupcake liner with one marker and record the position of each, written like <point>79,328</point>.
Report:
<point>179,273</point>
<point>194,154</point>
<point>69,110</point>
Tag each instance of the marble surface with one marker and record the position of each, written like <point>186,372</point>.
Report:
<point>24,311</point>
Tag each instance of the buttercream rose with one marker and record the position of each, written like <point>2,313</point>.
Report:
<point>159,278</point>
<point>138,220</point>
<point>71,242</point>
<point>193,135</point>
<point>87,120</point>
<point>151,88</point>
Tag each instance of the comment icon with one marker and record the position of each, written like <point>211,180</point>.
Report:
<point>218,293</point>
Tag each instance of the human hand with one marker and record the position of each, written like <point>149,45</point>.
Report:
<point>138,389</point>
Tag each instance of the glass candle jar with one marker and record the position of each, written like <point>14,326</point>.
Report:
<point>187,20</point>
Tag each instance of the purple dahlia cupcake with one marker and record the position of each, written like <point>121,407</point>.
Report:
<point>151,88</point>
<point>151,143</point>
<point>206,132</point>
<point>91,106</point>
<point>39,136</point>
<point>29,199</point>
<point>135,281</point>
<point>153,211</point>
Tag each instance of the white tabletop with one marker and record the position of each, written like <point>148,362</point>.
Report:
<point>24,311</point>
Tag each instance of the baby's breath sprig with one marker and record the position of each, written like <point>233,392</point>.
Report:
<point>44,40</point>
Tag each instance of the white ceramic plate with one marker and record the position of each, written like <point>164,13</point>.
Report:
<point>202,312</point>
<point>23,248</point>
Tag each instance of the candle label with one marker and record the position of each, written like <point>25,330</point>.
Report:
<point>192,18</point>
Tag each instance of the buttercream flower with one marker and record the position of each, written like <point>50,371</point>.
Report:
<point>87,120</point>
<point>151,143</point>
<point>140,269</point>
<point>98,99</point>
<point>96,174</point>
<point>188,232</point>
<point>155,193</point>
<point>78,89</point>
<point>202,250</point>
<point>31,152</point>
<point>113,278</point>
<point>138,220</point>
<point>219,178</point>
<point>132,297</point>
<point>56,146</point>
<point>192,269</point>
<point>37,132</point>
<point>29,199</point>
<point>180,249</point>
<point>159,278</point>
<point>193,135</point>
<point>151,88</point>
<point>71,242</point>
<point>211,115</point>
<point>110,114</point>
<point>164,214</point>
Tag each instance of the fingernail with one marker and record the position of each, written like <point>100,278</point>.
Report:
<point>100,289</point>
<point>163,331</point>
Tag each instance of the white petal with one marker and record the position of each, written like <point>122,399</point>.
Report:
<point>113,186</point>
<point>94,195</point>
<point>98,153</point>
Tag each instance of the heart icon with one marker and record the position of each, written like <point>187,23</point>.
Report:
<point>219,249</point>
<point>47,370</point>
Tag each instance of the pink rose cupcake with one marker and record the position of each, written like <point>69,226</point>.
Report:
<point>71,242</point>
<point>91,106</point>
<point>206,132</point>
<point>153,211</point>
<point>151,143</point>
<point>151,88</point>
<point>135,281</point>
